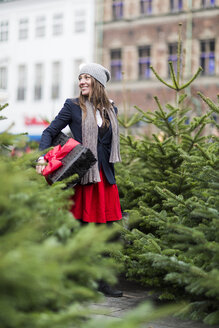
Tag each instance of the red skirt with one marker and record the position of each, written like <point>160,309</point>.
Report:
<point>97,202</point>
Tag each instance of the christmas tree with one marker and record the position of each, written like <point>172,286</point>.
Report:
<point>169,185</point>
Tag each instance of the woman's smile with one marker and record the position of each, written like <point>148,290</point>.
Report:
<point>85,84</point>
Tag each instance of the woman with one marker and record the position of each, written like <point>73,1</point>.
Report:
<point>93,122</point>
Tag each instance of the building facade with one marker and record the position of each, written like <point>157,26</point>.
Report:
<point>140,33</point>
<point>42,44</point>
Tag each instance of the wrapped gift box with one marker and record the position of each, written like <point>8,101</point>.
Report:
<point>78,161</point>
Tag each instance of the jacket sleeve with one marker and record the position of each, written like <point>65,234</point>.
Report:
<point>63,118</point>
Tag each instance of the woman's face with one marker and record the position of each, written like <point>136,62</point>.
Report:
<point>85,84</point>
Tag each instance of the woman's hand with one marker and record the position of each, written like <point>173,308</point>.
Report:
<point>40,165</point>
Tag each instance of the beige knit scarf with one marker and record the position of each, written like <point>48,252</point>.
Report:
<point>90,139</point>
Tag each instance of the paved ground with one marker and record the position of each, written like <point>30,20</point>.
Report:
<point>132,296</point>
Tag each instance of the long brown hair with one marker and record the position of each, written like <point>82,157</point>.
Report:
<point>98,98</point>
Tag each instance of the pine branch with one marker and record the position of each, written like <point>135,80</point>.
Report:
<point>200,69</point>
<point>147,115</point>
<point>3,106</point>
<point>159,144</point>
<point>198,121</point>
<point>209,102</point>
<point>168,124</point>
<point>199,132</point>
<point>161,80</point>
<point>133,120</point>
<point>182,97</point>
<point>173,76</point>
<point>204,153</point>
<point>172,113</point>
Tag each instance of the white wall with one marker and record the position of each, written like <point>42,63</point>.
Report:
<point>66,48</point>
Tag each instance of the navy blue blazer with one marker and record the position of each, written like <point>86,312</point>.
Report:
<point>71,115</point>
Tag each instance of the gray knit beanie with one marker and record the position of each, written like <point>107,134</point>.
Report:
<point>100,73</point>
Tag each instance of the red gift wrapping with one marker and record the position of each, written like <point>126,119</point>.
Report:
<point>56,154</point>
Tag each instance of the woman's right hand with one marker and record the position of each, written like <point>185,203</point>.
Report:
<point>40,165</point>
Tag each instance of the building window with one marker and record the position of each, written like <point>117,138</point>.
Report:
<point>56,78</point>
<point>208,3</point>
<point>207,57</point>
<point>80,21</point>
<point>144,62</point>
<point>172,48</point>
<point>117,8</point>
<point>146,7</point>
<point>23,29</point>
<point>3,78</point>
<point>40,26</point>
<point>57,24</point>
<point>76,67</point>
<point>4,31</point>
<point>176,5</point>
<point>116,64</point>
<point>38,87</point>
<point>22,82</point>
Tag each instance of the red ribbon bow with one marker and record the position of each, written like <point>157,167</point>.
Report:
<point>58,152</point>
